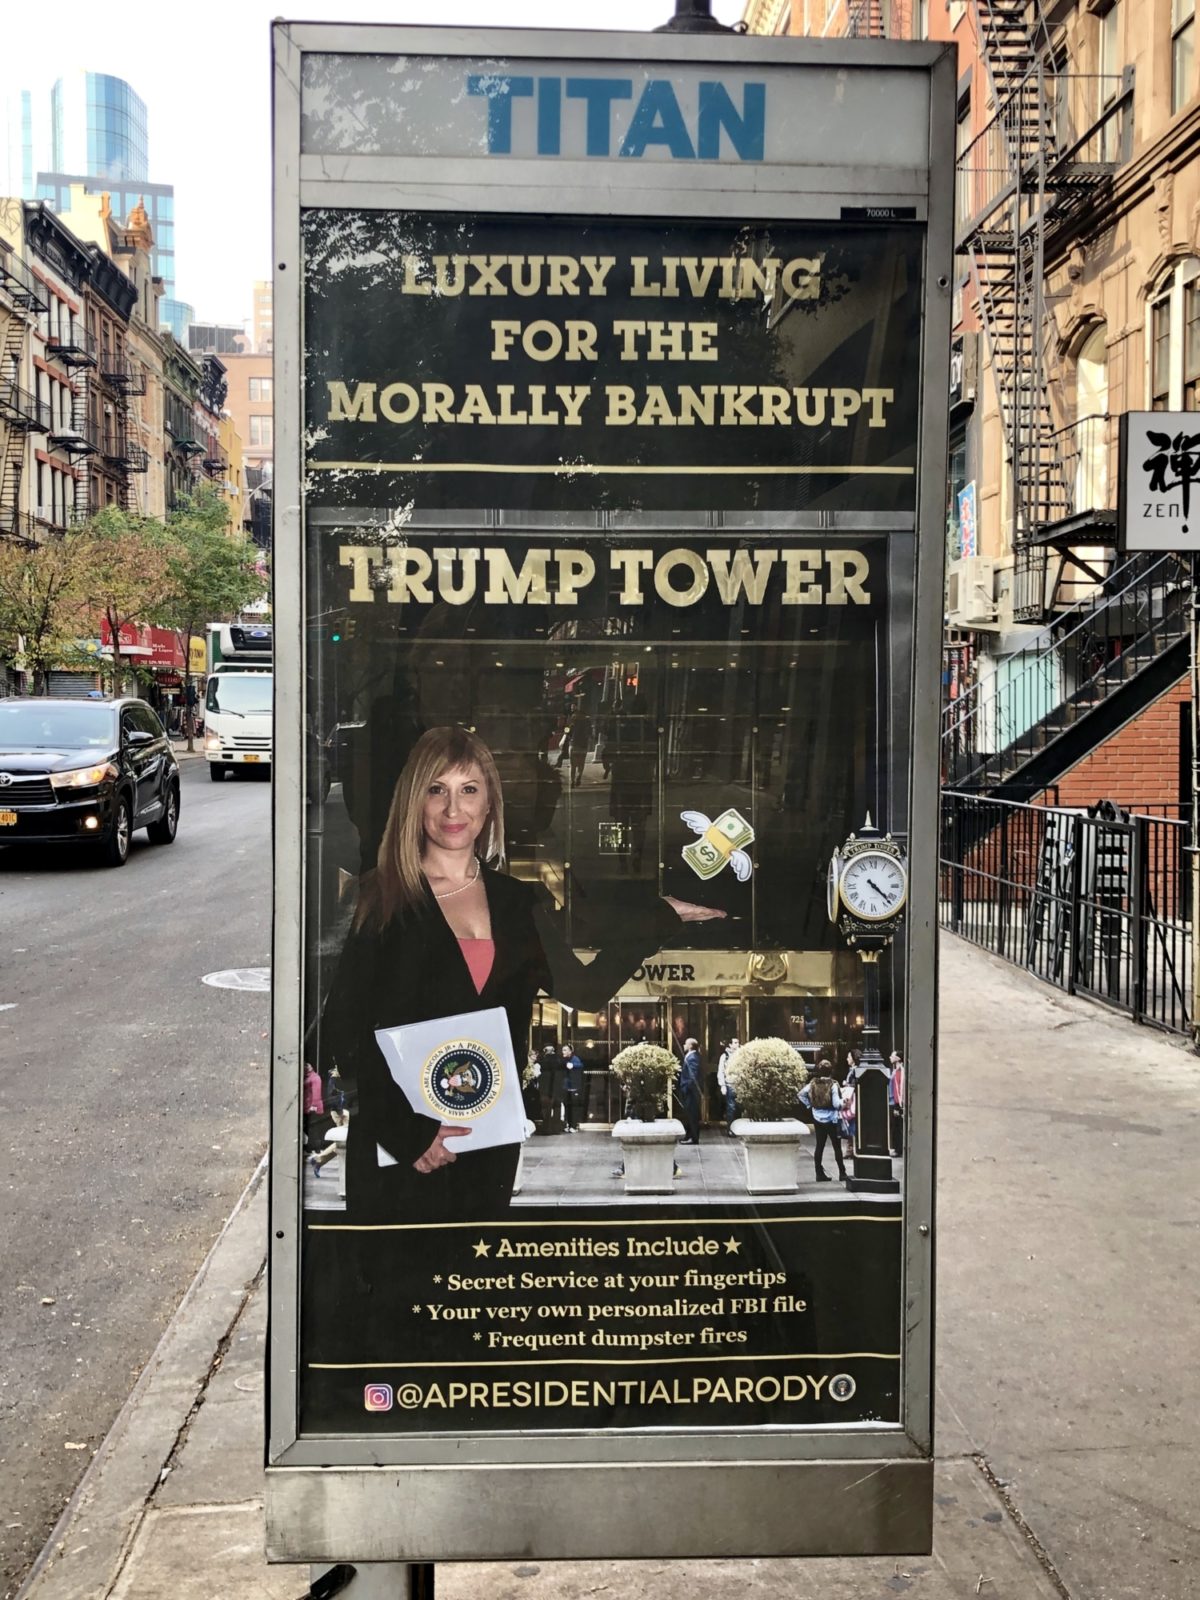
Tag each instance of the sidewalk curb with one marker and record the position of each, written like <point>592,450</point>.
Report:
<point>84,1555</point>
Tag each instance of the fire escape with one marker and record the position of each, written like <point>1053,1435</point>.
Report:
<point>119,447</point>
<point>1028,181</point>
<point>21,413</point>
<point>880,19</point>
<point>76,434</point>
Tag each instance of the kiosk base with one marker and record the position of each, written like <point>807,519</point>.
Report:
<point>396,1513</point>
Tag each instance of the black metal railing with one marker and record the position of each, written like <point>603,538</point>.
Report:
<point>20,285</point>
<point>21,409</point>
<point>124,375</point>
<point>1084,448</point>
<point>1097,902</point>
<point>77,436</point>
<point>75,347</point>
<point>1071,667</point>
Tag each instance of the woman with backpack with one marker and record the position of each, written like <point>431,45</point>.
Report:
<point>824,1099</point>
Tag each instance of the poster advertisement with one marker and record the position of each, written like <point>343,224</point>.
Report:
<point>609,532</point>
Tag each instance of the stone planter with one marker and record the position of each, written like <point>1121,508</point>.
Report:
<point>648,1151</point>
<point>772,1151</point>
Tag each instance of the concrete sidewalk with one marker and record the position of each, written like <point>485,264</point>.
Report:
<point>1068,1310</point>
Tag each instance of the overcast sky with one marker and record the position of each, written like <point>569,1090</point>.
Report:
<point>204,74</point>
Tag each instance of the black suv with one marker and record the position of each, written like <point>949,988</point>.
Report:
<point>86,772</point>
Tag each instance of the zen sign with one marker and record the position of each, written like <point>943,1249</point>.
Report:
<point>610,444</point>
<point>1158,506</point>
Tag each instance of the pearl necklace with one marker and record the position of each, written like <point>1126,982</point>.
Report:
<point>470,884</point>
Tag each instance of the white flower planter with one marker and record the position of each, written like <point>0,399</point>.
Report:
<point>772,1151</point>
<point>648,1150</point>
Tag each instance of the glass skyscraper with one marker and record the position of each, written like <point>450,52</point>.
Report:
<point>97,137</point>
<point>98,126</point>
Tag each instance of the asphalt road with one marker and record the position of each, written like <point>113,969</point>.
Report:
<point>133,1109</point>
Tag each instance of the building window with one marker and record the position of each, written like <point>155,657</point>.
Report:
<point>261,432</point>
<point>1183,44</point>
<point>963,188</point>
<point>260,390</point>
<point>1191,345</point>
<point>1109,80</point>
<point>1173,340</point>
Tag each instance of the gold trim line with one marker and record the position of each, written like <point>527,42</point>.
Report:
<point>637,1222</point>
<point>589,1361</point>
<point>565,469</point>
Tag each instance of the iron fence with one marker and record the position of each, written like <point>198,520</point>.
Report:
<point>1097,902</point>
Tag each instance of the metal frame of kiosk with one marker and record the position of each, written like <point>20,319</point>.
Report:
<point>864,1490</point>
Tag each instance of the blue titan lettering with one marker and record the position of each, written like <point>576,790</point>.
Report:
<point>746,132</point>
<point>657,118</point>
<point>500,91</point>
<point>549,116</point>
<point>600,93</point>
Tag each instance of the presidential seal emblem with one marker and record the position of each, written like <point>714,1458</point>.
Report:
<point>461,1080</point>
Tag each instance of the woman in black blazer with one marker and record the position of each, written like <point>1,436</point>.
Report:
<point>438,932</point>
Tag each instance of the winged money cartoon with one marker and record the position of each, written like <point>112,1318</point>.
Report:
<point>718,842</point>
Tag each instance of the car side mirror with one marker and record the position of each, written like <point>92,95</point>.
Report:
<point>137,736</point>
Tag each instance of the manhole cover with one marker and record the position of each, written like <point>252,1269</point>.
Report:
<point>256,979</point>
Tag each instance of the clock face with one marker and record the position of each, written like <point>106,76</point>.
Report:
<point>874,886</point>
<point>831,892</point>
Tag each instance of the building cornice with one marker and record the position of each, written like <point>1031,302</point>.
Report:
<point>57,246</point>
<point>111,285</point>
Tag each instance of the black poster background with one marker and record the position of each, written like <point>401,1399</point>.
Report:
<point>785,704</point>
<point>860,331</point>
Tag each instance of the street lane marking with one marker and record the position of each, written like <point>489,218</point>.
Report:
<point>254,980</point>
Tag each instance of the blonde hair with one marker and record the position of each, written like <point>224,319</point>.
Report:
<point>398,884</point>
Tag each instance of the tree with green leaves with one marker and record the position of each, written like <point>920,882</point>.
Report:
<point>126,572</point>
<point>214,574</point>
<point>41,603</point>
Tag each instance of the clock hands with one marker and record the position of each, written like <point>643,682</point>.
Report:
<point>871,884</point>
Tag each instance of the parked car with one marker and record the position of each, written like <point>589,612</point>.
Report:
<point>86,772</point>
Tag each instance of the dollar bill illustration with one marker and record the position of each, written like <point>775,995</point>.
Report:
<point>720,843</point>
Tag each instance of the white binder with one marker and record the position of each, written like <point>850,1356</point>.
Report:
<point>460,1070</point>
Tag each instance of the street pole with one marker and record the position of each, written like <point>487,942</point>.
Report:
<point>1195,806</point>
<point>694,16</point>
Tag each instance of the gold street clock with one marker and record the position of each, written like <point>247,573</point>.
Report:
<point>868,883</point>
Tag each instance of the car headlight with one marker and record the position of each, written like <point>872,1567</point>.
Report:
<point>83,777</point>
<point>212,741</point>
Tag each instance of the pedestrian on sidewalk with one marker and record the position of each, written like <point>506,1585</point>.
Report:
<point>572,1087</point>
<point>896,1103</point>
<point>691,1081</point>
<point>725,1086</point>
<point>824,1099</point>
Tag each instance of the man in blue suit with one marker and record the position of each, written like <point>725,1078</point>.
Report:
<point>691,1088</point>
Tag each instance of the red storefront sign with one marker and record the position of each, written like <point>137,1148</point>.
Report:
<point>157,647</point>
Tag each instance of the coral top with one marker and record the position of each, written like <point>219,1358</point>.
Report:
<point>480,956</point>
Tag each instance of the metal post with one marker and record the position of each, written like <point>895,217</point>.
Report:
<point>1138,912</point>
<point>373,1580</point>
<point>872,1126</point>
<point>694,16</point>
<point>1194,843</point>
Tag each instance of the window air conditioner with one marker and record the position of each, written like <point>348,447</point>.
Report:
<point>971,592</point>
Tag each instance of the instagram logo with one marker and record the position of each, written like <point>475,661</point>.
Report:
<point>378,1397</point>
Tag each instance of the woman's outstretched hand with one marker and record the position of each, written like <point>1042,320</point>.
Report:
<point>687,912</point>
<point>438,1155</point>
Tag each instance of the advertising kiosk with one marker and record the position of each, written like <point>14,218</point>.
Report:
<point>611,375</point>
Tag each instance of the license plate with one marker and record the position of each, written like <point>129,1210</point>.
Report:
<point>8,819</point>
<point>250,758</point>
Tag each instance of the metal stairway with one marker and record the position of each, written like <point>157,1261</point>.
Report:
<point>1083,678</point>
<point>1021,179</point>
<point>20,412</point>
